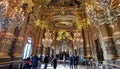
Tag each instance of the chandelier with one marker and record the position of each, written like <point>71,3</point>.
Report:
<point>47,41</point>
<point>76,40</point>
<point>11,14</point>
<point>103,12</point>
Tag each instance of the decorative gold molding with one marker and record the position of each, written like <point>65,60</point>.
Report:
<point>30,2</point>
<point>3,55</point>
<point>4,63</point>
<point>116,33</point>
<point>30,5</point>
<point>106,38</point>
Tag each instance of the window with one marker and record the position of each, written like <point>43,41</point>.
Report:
<point>28,48</point>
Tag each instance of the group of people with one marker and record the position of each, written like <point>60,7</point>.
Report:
<point>31,62</point>
<point>73,61</point>
<point>34,62</point>
<point>53,61</point>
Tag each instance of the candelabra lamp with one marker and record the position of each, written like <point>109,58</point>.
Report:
<point>76,41</point>
<point>47,43</point>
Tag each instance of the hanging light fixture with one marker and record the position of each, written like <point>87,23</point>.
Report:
<point>11,14</point>
<point>76,40</point>
<point>47,42</point>
<point>103,12</point>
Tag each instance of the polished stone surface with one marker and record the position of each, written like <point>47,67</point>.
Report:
<point>61,66</point>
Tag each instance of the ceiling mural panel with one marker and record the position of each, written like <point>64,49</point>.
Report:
<point>64,35</point>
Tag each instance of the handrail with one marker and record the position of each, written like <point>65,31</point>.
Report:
<point>113,65</point>
<point>108,64</point>
<point>9,62</point>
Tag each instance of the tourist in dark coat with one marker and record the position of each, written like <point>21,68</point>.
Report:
<point>46,60</point>
<point>71,61</point>
<point>29,61</point>
<point>75,61</point>
<point>54,61</point>
<point>26,65</point>
<point>34,62</point>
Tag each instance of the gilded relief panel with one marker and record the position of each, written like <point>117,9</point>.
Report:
<point>19,47</point>
<point>5,42</point>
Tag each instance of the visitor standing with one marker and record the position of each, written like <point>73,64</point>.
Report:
<point>64,60</point>
<point>34,62</point>
<point>46,60</point>
<point>54,61</point>
<point>75,61</point>
<point>71,61</point>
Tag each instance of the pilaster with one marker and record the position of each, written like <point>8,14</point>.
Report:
<point>108,42</point>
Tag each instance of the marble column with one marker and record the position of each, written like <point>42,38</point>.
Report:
<point>71,50</point>
<point>108,42</point>
<point>54,46</point>
<point>57,48</point>
<point>116,36</point>
<point>83,36</point>
<point>40,40</point>
<point>38,49</point>
<point>86,40</point>
<point>37,41</point>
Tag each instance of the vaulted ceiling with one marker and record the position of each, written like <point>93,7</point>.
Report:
<point>61,15</point>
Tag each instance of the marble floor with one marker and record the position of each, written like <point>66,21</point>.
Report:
<point>61,66</point>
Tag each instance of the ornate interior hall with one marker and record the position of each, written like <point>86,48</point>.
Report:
<point>88,29</point>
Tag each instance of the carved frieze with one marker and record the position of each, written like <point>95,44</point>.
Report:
<point>5,42</point>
